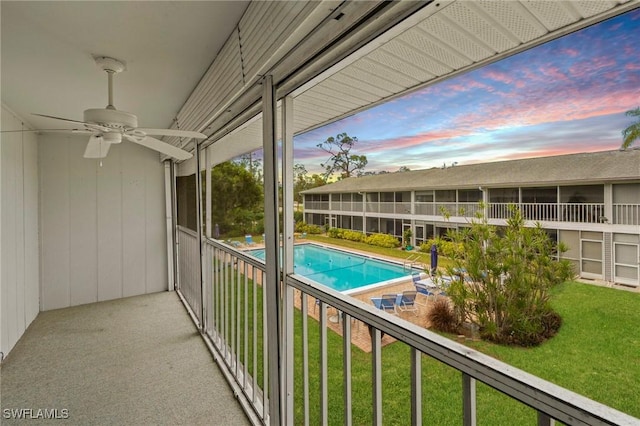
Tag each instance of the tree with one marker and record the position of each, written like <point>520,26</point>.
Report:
<point>302,181</point>
<point>341,159</point>
<point>237,205</point>
<point>631,133</point>
<point>509,275</point>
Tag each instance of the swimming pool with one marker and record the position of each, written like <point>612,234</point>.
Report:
<point>343,271</point>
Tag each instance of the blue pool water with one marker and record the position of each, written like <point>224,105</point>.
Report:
<point>338,269</point>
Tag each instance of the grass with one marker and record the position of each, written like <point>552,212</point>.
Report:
<point>596,354</point>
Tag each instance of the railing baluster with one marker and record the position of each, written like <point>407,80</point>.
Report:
<point>346,367</point>
<point>545,420</point>
<point>265,350</point>
<point>468,400</point>
<point>416,387</point>
<point>324,391</point>
<point>305,355</point>
<point>376,375</point>
<point>254,374</point>
<point>245,269</point>
<point>238,313</point>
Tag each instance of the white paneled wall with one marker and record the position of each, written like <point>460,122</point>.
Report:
<point>103,227</point>
<point>19,266</point>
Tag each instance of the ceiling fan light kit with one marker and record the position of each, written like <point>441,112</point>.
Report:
<point>109,126</point>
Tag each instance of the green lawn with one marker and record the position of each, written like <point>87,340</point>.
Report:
<point>596,353</point>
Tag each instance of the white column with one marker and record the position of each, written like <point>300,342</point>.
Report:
<point>169,199</point>
<point>201,275</point>
<point>272,249</point>
<point>287,213</point>
<point>207,184</point>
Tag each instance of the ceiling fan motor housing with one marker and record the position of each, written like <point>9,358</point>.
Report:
<point>111,118</point>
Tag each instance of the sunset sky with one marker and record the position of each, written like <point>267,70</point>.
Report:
<point>565,96</point>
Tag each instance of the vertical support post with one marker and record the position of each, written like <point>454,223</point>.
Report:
<point>207,185</point>
<point>545,420</point>
<point>364,212</point>
<point>288,231</point>
<point>468,400</point>
<point>168,198</point>
<point>199,232</point>
<point>416,387</point>
<point>272,248</point>
<point>174,230</point>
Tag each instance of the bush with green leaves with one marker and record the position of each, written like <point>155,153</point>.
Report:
<point>382,240</point>
<point>443,245</point>
<point>308,228</point>
<point>508,276</point>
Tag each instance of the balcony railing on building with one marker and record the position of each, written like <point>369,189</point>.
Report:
<point>622,214</point>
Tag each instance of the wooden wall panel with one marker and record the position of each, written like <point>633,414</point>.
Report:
<point>156,236</point>
<point>19,259</point>
<point>134,256</point>
<point>83,232</point>
<point>54,166</point>
<point>31,228</point>
<point>109,190</point>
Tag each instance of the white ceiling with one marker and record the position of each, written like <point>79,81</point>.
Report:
<point>47,65</point>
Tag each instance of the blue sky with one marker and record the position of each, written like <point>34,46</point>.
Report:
<point>565,96</point>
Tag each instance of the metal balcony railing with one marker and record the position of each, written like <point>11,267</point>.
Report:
<point>623,214</point>
<point>235,329</point>
<point>189,269</point>
<point>551,212</point>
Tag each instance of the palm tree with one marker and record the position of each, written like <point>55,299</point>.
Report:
<point>631,133</point>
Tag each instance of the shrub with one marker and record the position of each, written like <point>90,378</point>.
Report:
<point>509,275</point>
<point>382,240</point>
<point>442,317</point>
<point>446,248</point>
<point>353,235</point>
<point>335,232</point>
<point>309,229</point>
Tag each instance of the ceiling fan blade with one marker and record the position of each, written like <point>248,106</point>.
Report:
<point>97,147</point>
<point>174,132</point>
<point>59,118</point>
<point>90,126</point>
<point>44,130</point>
<point>162,147</point>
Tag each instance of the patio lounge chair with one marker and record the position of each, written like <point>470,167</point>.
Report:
<point>425,290</point>
<point>248,240</point>
<point>386,303</point>
<point>408,301</point>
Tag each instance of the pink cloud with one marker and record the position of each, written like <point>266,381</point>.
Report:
<point>498,76</point>
<point>547,107</point>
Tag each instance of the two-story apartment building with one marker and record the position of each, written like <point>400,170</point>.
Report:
<point>590,201</point>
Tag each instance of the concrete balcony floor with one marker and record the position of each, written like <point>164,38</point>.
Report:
<point>138,360</point>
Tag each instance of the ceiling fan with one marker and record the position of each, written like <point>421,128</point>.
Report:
<point>110,126</point>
